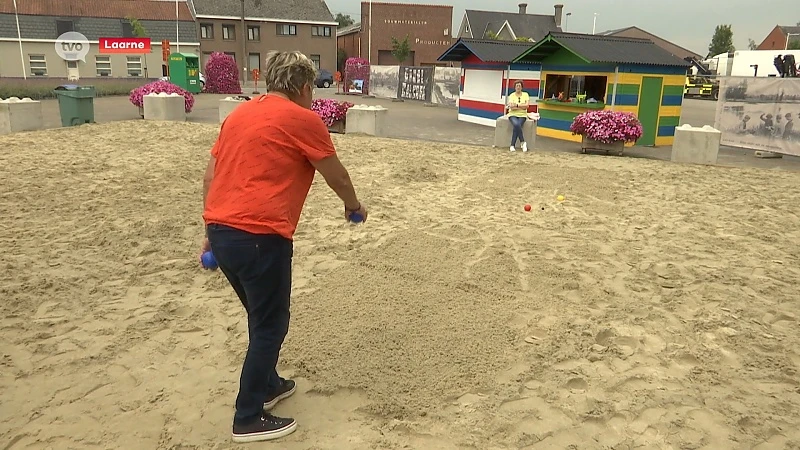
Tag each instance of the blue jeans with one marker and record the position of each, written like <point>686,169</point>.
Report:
<point>516,132</point>
<point>259,268</point>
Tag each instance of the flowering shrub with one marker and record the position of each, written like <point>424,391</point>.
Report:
<point>222,75</point>
<point>607,126</point>
<point>357,69</point>
<point>330,110</point>
<point>157,87</point>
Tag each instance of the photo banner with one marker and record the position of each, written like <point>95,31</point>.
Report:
<point>760,113</point>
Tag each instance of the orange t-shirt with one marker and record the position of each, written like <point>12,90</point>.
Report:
<point>263,166</point>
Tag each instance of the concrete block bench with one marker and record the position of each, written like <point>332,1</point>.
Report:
<point>162,106</point>
<point>695,145</point>
<point>371,120</point>
<point>503,129</point>
<point>228,104</point>
<point>20,115</point>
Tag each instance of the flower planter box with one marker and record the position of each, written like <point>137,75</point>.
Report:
<point>590,144</point>
<point>337,127</point>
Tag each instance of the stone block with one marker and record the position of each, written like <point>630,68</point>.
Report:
<point>20,115</point>
<point>695,145</point>
<point>163,106</point>
<point>503,129</point>
<point>371,120</point>
<point>228,104</point>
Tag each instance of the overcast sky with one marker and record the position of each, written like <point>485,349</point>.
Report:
<point>688,23</point>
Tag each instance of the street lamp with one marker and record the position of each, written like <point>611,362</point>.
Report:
<point>566,23</point>
<point>369,37</point>
<point>789,35</point>
<point>594,23</point>
<point>19,38</point>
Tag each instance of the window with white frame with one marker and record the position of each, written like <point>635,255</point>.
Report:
<point>135,66</point>
<point>103,65</point>
<point>315,59</point>
<point>206,31</point>
<point>38,65</point>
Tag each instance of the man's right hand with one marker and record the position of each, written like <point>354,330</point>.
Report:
<point>361,211</point>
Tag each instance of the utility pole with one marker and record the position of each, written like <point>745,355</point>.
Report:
<point>244,47</point>
<point>177,29</point>
<point>369,45</point>
<point>594,24</point>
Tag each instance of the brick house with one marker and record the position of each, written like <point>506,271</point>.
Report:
<point>286,25</point>
<point>427,27</point>
<point>777,38</point>
<point>636,32</point>
<point>509,26</point>
<point>42,21</point>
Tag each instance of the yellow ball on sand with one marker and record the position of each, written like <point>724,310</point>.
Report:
<point>560,198</point>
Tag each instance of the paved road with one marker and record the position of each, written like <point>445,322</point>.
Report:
<point>413,120</point>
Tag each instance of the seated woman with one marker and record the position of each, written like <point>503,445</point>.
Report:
<point>517,108</point>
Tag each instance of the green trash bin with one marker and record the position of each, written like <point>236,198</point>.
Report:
<point>76,104</point>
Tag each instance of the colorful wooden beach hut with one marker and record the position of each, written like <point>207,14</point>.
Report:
<point>488,75</point>
<point>581,72</point>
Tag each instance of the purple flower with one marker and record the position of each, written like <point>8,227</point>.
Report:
<point>607,126</point>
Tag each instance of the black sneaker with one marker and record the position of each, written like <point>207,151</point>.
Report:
<point>265,428</point>
<point>286,390</point>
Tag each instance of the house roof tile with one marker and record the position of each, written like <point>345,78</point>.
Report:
<point>308,10</point>
<point>111,9</point>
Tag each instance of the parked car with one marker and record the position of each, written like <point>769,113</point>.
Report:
<point>201,77</point>
<point>324,79</point>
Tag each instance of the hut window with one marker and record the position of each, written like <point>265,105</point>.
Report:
<point>572,85</point>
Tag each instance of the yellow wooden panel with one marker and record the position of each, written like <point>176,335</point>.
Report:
<point>557,134</point>
<point>588,74</point>
<point>674,80</point>
<point>669,111</point>
<point>664,140</point>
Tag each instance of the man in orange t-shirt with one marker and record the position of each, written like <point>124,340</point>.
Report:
<point>257,180</point>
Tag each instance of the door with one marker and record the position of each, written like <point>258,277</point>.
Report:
<point>255,63</point>
<point>73,73</point>
<point>649,104</point>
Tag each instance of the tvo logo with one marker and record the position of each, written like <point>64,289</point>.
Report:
<point>72,46</point>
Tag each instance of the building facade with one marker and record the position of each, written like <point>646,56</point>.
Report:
<point>427,28</point>
<point>41,22</point>
<point>780,37</point>
<point>286,25</point>
<point>636,32</point>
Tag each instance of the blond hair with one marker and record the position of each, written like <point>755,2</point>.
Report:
<point>288,72</point>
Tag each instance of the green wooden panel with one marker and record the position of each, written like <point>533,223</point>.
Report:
<point>673,90</point>
<point>563,57</point>
<point>669,121</point>
<point>649,104</point>
<point>558,115</point>
<point>623,89</point>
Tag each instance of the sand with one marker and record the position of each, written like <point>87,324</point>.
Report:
<point>655,307</point>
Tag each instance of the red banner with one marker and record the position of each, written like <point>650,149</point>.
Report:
<point>124,45</point>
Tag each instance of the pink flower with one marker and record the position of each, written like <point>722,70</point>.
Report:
<point>607,126</point>
<point>222,75</point>
<point>330,110</point>
<point>357,69</point>
<point>157,87</point>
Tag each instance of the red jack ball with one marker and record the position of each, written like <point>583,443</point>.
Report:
<point>527,207</point>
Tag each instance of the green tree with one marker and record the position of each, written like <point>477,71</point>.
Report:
<point>138,29</point>
<point>344,20</point>
<point>341,59</point>
<point>401,49</point>
<point>722,41</point>
<point>523,39</point>
<point>751,44</point>
<point>490,35</point>
<point>794,44</point>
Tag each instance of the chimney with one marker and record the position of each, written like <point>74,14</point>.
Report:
<point>523,7</point>
<point>558,14</point>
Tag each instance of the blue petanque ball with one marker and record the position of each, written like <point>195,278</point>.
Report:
<point>208,261</point>
<point>356,218</point>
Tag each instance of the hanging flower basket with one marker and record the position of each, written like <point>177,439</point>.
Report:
<point>606,130</point>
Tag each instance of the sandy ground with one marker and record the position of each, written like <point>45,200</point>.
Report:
<point>656,307</point>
